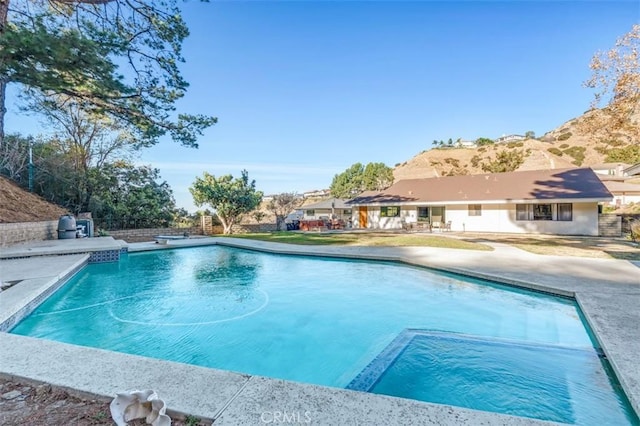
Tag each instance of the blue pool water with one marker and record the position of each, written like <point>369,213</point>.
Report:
<point>509,376</point>
<point>323,321</point>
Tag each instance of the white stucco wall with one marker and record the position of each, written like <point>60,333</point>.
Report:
<point>494,218</point>
<point>624,199</point>
<point>374,221</point>
<point>502,218</point>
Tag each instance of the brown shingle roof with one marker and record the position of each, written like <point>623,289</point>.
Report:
<point>558,184</point>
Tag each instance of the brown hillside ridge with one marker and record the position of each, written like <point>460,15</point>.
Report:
<point>18,205</point>
<point>564,147</point>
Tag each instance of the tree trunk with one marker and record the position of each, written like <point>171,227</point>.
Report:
<point>227,224</point>
<point>4,10</point>
<point>3,86</point>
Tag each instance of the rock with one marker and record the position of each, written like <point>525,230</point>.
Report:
<point>12,394</point>
<point>57,404</point>
<point>43,390</point>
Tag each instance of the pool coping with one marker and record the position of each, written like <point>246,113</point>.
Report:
<point>247,388</point>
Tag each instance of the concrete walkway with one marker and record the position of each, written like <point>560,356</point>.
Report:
<point>608,291</point>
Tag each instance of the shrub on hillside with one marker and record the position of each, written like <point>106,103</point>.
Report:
<point>628,154</point>
<point>555,151</point>
<point>577,153</point>
<point>564,145</point>
<point>515,145</point>
<point>564,136</point>
<point>505,161</point>
<point>452,161</point>
<point>484,141</point>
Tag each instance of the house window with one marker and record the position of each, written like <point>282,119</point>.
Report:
<point>542,212</point>
<point>346,212</point>
<point>522,211</point>
<point>391,211</point>
<point>475,209</point>
<point>565,212</point>
<point>423,214</point>
<point>310,213</point>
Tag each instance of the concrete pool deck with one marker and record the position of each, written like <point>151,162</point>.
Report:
<point>608,292</point>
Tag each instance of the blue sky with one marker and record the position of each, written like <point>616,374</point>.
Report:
<point>302,90</point>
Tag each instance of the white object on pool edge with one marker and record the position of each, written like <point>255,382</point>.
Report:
<point>127,406</point>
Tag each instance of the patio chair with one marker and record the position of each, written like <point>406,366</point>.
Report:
<point>436,222</point>
<point>447,226</point>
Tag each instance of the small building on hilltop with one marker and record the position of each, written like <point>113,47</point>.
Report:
<point>510,138</point>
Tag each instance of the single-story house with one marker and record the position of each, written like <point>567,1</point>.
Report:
<point>561,201</point>
<point>510,138</point>
<point>623,193</point>
<point>632,171</point>
<point>611,169</point>
<point>333,208</point>
<point>466,144</point>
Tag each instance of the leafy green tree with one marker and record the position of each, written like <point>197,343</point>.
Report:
<point>54,176</point>
<point>358,178</point>
<point>87,142</point>
<point>231,198</point>
<point>377,176</point>
<point>126,196</point>
<point>74,48</point>
<point>530,134</point>
<point>259,216</point>
<point>123,195</point>
<point>348,183</point>
<point>282,204</point>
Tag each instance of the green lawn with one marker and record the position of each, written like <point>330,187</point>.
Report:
<point>365,239</point>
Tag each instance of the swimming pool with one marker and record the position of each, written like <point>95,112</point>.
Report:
<point>312,320</point>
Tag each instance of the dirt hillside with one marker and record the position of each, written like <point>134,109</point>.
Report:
<point>18,205</point>
<point>565,146</point>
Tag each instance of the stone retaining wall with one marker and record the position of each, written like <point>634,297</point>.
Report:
<point>245,229</point>
<point>15,233</point>
<point>139,235</point>
<point>609,225</point>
